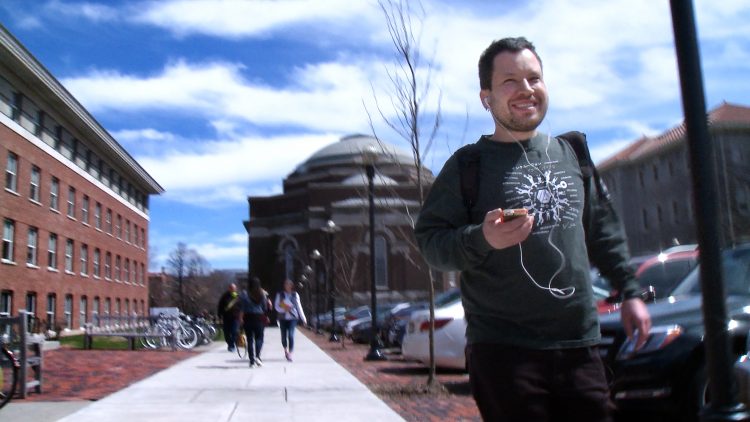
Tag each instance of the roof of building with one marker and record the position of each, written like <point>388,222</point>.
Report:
<point>348,150</point>
<point>14,55</point>
<point>725,114</point>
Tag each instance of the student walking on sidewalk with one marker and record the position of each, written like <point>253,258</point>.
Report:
<point>289,309</point>
<point>255,306</point>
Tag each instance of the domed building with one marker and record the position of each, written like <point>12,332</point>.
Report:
<point>324,207</point>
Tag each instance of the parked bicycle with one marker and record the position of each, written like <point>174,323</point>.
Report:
<point>10,368</point>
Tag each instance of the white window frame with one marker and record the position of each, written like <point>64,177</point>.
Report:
<point>9,234</point>
<point>11,172</point>
<point>85,209</point>
<point>69,251</point>
<point>52,251</point>
<point>84,259</point>
<point>54,194</point>
<point>32,247</point>
<point>34,182</point>
<point>71,202</point>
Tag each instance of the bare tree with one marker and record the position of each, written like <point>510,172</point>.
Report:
<point>187,267</point>
<point>410,87</point>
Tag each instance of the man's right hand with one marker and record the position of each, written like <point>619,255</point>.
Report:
<point>503,234</point>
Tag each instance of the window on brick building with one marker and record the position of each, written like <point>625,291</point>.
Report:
<point>68,311</point>
<point>34,182</point>
<point>83,310</point>
<point>98,216</point>
<point>108,221</point>
<point>126,271</point>
<point>54,194</point>
<point>9,233</point>
<point>95,309</point>
<point>108,266</point>
<point>72,202</point>
<point>96,263</point>
<point>31,310</point>
<point>11,172</point>
<point>52,251</point>
<point>6,303</point>
<point>118,227</point>
<point>69,255</point>
<point>31,247</point>
<point>118,270</point>
<point>85,209</point>
<point>84,259</point>
<point>51,311</point>
<point>107,306</point>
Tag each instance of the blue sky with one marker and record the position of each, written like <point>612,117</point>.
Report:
<point>220,100</point>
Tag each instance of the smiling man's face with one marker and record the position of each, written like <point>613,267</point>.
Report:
<point>518,98</point>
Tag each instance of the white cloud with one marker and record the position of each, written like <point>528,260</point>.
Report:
<point>236,19</point>
<point>226,170</point>
<point>92,11</point>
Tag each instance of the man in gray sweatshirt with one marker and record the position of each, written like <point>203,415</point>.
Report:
<point>532,327</point>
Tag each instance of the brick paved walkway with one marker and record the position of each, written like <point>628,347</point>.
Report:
<point>397,382</point>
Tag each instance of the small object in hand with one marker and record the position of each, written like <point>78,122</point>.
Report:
<point>512,213</point>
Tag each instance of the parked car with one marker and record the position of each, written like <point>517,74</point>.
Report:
<point>325,319</point>
<point>668,373</point>
<point>664,271</point>
<point>394,328</point>
<point>450,336</point>
<point>360,329</point>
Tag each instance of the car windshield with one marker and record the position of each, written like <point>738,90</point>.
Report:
<point>665,275</point>
<point>736,266</point>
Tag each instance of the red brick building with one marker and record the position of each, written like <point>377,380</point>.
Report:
<point>650,182</point>
<point>283,230</point>
<point>73,204</point>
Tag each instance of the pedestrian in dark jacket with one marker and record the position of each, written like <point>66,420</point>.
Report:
<point>255,306</point>
<point>532,327</point>
<point>229,311</point>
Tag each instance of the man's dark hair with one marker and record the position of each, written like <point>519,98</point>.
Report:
<point>487,58</point>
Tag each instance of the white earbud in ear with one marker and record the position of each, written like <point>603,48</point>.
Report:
<point>486,101</point>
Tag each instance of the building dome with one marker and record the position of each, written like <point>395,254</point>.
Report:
<point>348,151</point>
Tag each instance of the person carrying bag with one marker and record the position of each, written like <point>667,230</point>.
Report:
<point>289,309</point>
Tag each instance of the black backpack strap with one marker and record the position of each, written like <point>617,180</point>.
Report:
<point>577,141</point>
<point>468,166</point>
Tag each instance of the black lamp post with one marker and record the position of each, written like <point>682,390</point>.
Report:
<point>723,404</point>
<point>369,157</point>
<point>331,228</point>
<point>316,256</point>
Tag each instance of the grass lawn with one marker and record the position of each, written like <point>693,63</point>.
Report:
<point>99,343</point>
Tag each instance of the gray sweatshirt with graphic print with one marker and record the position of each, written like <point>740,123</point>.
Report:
<point>536,294</point>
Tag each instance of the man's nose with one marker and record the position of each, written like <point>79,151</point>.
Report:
<point>526,86</point>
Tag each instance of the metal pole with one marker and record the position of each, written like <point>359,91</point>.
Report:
<point>723,405</point>
<point>331,274</point>
<point>316,280</point>
<point>375,352</point>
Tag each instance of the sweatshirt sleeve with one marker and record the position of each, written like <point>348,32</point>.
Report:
<point>607,244</point>
<point>446,238</point>
<point>300,312</point>
<point>277,305</point>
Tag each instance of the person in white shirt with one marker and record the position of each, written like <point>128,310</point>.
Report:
<point>289,313</point>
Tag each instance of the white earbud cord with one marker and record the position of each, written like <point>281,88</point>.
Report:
<point>565,292</point>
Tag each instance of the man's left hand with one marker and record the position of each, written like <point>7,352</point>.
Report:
<point>635,316</point>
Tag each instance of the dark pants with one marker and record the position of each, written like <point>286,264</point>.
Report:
<point>514,384</point>
<point>287,333</point>
<point>254,329</point>
<point>230,327</point>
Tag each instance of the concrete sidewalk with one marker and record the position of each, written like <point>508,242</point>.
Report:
<point>218,386</point>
